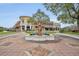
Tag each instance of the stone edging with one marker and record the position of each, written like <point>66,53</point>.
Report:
<point>7,36</point>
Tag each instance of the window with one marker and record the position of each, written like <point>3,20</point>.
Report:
<point>23,27</point>
<point>22,21</point>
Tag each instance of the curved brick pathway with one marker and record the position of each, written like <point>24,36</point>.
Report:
<point>16,46</point>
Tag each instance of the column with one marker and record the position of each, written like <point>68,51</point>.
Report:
<point>21,25</point>
<point>30,27</point>
<point>21,28</point>
<point>25,27</point>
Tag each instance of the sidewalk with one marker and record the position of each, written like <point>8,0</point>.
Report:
<point>72,36</point>
<point>5,36</point>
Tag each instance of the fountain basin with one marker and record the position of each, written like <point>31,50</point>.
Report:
<point>39,38</point>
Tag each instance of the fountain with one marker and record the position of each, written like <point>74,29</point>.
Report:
<point>39,28</point>
<point>39,35</point>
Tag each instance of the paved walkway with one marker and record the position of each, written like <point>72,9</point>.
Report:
<point>16,45</point>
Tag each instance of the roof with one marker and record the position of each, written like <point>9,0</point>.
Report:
<point>24,17</point>
<point>17,24</point>
<point>50,23</point>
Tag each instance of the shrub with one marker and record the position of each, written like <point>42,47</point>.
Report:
<point>1,29</point>
<point>61,30</point>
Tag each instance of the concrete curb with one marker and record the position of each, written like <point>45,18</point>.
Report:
<point>7,36</point>
<point>75,37</point>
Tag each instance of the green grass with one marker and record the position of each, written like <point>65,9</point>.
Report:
<point>72,33</point>
<point>6,33</point>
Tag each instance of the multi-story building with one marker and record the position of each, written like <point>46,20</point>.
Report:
<point>23,25</point>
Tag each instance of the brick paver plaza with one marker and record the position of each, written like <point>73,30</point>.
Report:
<point>16,45</point>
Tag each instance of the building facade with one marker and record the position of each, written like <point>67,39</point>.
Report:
<point>23,25</point>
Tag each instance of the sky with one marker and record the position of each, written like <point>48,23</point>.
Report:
<point>10,12</point>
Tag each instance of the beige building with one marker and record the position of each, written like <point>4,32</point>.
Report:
<point>23,25</point>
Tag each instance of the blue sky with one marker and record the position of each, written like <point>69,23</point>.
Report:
<point>9,13</point>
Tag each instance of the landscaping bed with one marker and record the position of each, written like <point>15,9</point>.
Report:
<point>45,33</point>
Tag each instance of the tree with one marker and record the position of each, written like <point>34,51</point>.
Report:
<point>41,16</point>
<point>65,12</point>
<point>3,29</point>
<point>31,20</point>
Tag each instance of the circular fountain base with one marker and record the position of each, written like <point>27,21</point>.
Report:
<point>39,38</point>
